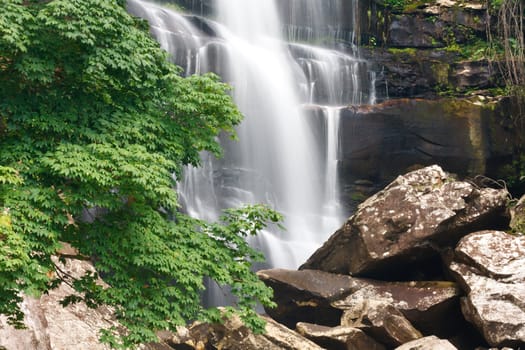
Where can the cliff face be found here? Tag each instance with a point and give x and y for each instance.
(427, 48)
(437, 97)
(467, 136)
(419, 48)
(436, 91)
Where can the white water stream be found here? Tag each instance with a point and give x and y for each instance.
(284, 156)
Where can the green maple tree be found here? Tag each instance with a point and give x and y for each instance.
(92, 115)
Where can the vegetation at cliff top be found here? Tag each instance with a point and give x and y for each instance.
(94, 118)
(510, 36)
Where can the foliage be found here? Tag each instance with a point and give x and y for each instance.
(93, 118)
(404, 5)
(395, 4)
(495, 4)
(172, 6)
(510, 36)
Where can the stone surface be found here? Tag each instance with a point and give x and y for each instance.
(53, 327)
(420, 51)
(318, 297)
(284, 338)
(437, 23)
(491, 267)
(233, 335)
(430, 306)
(406, 222)
(382, 141)
(381, 321)
(471, 74)
(306, 296)
(338, 338)
(402, 27)
(427, 343)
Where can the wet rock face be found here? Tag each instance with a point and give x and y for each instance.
(426, 30)
(491, 267)
(402, 29)
(382, 141)
(407, 222)
(436, 26)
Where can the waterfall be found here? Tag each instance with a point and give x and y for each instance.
(284, 60)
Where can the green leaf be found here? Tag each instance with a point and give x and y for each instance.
(94, 122)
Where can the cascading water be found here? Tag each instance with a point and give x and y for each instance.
(285, 156)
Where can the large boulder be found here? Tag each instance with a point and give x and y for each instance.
(408, 222)
(234, 335)
(380, 320)
(338, 338)
(306, 296)
(320, 297)
(490, 265)
(427, 343)
(51, 326)
(430, 306)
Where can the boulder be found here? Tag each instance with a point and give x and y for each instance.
(407, 222)
(471, 14)
(490, 265)
(180, 340)
(427, 343)
(338, 338)
(52, 326)
(234, 335)
(432, 307)
(320, 297)
(306, 296)
(381, 321)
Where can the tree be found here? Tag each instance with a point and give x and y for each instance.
(92, 115)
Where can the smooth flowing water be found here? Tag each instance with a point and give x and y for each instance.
(283, 60)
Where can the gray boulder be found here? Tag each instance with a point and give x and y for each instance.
(490, 265)
(427, 343)
(381, 321)
(338, 338)
(234, 335)
(51, 326)
(407, 222)
(430, 306)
